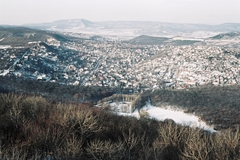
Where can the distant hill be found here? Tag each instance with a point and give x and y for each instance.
(229, 35)
(17, 36)
(65, 25)
(149, 40)
(133, 28)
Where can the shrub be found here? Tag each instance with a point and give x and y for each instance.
(34, 128)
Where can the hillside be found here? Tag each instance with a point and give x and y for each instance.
(134, 28)
(33, 128)
(20, 36)
(93, 68)
(67, 84)
(224, 36)
(150, 40)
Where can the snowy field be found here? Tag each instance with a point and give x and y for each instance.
(5, 46)
(162, 114)
(5, 72)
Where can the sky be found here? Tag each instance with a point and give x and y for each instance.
(18, 12)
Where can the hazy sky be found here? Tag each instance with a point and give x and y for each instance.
(184, 11)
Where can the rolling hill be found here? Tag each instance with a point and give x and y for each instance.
(20, 36)
(229, 35)
(134, 28)
(150, 40)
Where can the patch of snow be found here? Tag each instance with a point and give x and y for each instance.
(1, 39)
(5, 46)
(133, 114)
(39, 77)
(76, 83)
(161, 114)
(34, 42)
(187, 38)
(5, 72)
(178, 117)
(17, 74)
(19, 47)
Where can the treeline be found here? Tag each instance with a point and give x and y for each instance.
(33, 128)
(218, 106)
(214, 104)
(54, 91)
(210, 96)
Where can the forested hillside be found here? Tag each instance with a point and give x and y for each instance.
(33, 128)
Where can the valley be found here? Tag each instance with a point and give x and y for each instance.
(119, 87)
(142, 65)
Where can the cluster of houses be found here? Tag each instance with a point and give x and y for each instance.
(124, 65)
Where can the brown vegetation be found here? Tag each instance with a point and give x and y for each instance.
(218, 106)
(33, 128)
